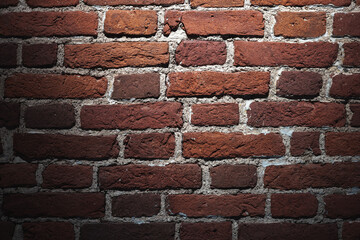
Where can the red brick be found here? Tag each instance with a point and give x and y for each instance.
(136, 205)
(293, 231)
(128, 231)
(137, 86)
(352, 54)
(198, 84)
(133, 2)
(131, 22)
(39, 55)
(217, 3)
(54, 86)
(345, 24)
(355, 120)
(216, 145)
(213, 231)
(200, 53)
(150, 177)
(311, 54)
(8, 53)
(48, 230)
(218, 114)
(233, 176)
(342, 206)
(305, 142)
(6, 3)
(351, 231)
(241, 205)
(117, 54)
(18, 175)
(9, 114)
(132, 116)
(67, 176)
(43, 146)
(150, 145)
(6, 228)
(66, 205)
(172, 21)
(297, 205)
(345, 86)
(299, 84)
(300, 24)
(300, 176)
(50, 116)
(51, 3)
(342, 143)
(46, 24)
(300, 2)
(277, 114)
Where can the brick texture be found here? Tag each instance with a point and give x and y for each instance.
(52, 3)
(220, 114)
(133, 2)
(355, 120)
(342, 206)
(343, 23)
(297, 205)
(6, 3)
(305, 143)
(48, 230)
(39, 55)
(233, 176)
(9, 114)
(215, 231)
(345, 86)
(8, 55)
(352, 54)
(216, 3)
(300, 2)
(136, 205)
(351, 231)
(341, 144)
(18, 175)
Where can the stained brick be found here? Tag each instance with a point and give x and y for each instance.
(305, 142)
(344, 24)
(233, 176)
(39, 55)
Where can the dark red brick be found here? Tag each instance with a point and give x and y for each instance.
(136, 205)
(51, 3)
(133, 2)
(217, 3)
(300, 2)
(9, 114)
(345, 24)
(233, 176)
(304, 143)
(342, 143)
(18, 175)
(6, 228)
(342, 206)
(218, 114)
(351, 231)
(48, 230)
(213, 231)
(8, 53)
(6, 3)
(297, 205)
(352, 54)
(345, 86)
(39, 55)
(355, 120)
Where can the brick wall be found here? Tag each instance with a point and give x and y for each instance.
(180, 119)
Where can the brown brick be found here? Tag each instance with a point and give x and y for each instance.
(218, 114)
(217, 3)
(345, 86)
(43, 146)
(39, 55)
(312, 175)
(216, 145)
(128, 231)
(132, 116)
(18, 175)
(67, 176)
(136, 205)
(342, 206)
(6, 228)
(305, 142)
(150, 145)
(200, 53)
(198, 84)
(9, 114)
(50, 116)
(299, 84)
(233, 176)
(352, 54)
(342, 143)
(66, 205)
(355, 120)
(277, 114)
(311, 54)
(351, 231)
(117, 54)
(51, 3)
(46, 24)
(345, 24)
(297, 205)
(8, 54)
(48, 230)
(6, 3)
(137, 86)
(133, 2)
(300, 24)
(241, 205)
(150, 177)
(54, 86)
(300, 2)
(208, 230)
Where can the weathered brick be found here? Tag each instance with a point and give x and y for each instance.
(150, 145)
(130, 22)
(277, 114)
(351, 231)
(352, 54)
(217, 3)
(299, 84)
(345, 86)
(297, 205)
(342, 206)
(241, 205)
(67, 176)
(6, 228)
(305, 142)
(18, 175)
(200, 53)
(198, 84)
(50, 116)
(312, 175)
(133, 116)
(300, 2)
(48, 230)
(300, 24)
(6, 3)
(233, 176)
(355, 120)
(213, 231)
(46, 24)
(311, 54)
(39, 55)
(117, 54)
(216, 145)
(66, 205)
(52, 3)
(136, 205)
(9, 114)
(345, 24)
(133, 2)
(43, 146)
(8, 53)
(54, 86)
(342, 143)
(137, 86)
(218, 114)
(128, 231)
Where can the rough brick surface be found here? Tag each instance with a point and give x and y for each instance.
(8, 55)
(6, 3)
(342, 144)
(351, 231)
(6, 229)
(214, 231)
(51, 3)
(216, 3)
(300, 2)
(352, 54)
(9, 114)
(344, 24)
(297, 205)
(18, 175)
(345, 86)
(39, 55)
(355, 120)
(136, 205)
(220, 114)
(305, 142)
(48, 230)
(233, 176)
(133, 2)
(342, 206)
